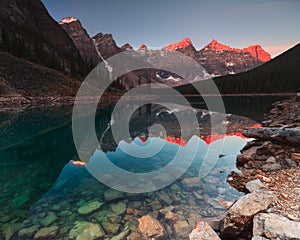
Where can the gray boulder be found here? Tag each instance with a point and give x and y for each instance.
(240, 215)
(273, 226)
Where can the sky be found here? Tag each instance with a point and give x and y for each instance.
(274, 24)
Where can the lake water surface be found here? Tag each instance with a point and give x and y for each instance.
(41, 188)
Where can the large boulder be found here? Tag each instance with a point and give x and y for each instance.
(273, 226)
(239, 216)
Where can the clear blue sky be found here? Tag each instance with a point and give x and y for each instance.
(275, 24)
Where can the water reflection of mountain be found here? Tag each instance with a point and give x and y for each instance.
(39, 143)
(151, 114)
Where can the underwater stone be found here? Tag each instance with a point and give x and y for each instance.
(28, 232)
(151, 227)
(193, 182)
(111, 227)
(112, 194)
(49, 219)
(89, 207)
(182, 229)
(10, 229)
(118, 208)
(121, 236)
(84, 230)
(46, 233)
(65, 213)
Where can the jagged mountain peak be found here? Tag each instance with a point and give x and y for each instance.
(126, 46)
(255, 50)
(68, 20)
(217, 46)
(258, 52)
(184, 43)
(106, 44)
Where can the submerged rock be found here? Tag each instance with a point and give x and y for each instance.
(193, 182)
(203, 232)
(49, 219)
(171, 216)
(118, 208)
(166, 210)
(112, 194)
(83, 230)
(11, 229)
(121, 235)
(274, 226)
(46, 233)
(182, 229)
(112, 228)
(27, 232)
(240, 215)
(151, 227)
(89, 207)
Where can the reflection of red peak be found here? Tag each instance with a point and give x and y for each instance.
(208, 139)
(184, 43)
(179, 141)
(255, 50)
(143, 46)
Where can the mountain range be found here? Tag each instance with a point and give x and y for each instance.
(217, 59)
(52, 58)
(280, 75)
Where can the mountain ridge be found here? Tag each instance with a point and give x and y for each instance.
(279, 75)
(217, 59)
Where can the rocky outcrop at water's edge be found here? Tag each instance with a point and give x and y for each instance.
(270, 174)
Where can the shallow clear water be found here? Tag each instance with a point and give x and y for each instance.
(40, 187)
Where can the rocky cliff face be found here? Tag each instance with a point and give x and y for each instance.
(28, 31)
(185, 46)
(81, 39)
(106, 45)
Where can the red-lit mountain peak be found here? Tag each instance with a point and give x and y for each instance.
(215, 45)
(184, 43)
(258, 52)
(68, 20)
(255, 50)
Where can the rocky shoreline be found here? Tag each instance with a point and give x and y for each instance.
(270, 175)
(17, 102)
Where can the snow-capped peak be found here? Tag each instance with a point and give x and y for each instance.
(68, 20)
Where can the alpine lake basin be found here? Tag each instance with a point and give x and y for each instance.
(41, 188)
